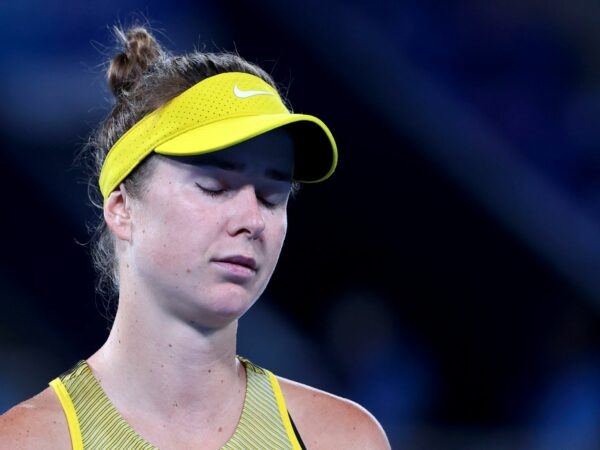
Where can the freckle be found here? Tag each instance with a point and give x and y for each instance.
(170, 345)
(220, 429)
(221, 381)
(188, 270)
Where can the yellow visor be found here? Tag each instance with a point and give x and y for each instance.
(218, 112)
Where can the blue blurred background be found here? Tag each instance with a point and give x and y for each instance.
(445, 277)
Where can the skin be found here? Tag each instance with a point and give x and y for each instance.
(195, 252)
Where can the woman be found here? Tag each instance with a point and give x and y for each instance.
(195, 166)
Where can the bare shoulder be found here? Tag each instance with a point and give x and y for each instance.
(327, 421)
(37, 423)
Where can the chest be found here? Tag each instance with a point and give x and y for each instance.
(94, 422)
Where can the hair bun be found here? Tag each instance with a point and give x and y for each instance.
(141, 50)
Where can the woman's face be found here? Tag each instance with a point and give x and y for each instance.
(207, 231)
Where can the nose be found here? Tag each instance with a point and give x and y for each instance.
(247, 215)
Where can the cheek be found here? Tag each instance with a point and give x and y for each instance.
(168, 236)
(279, 233)
(283, 229)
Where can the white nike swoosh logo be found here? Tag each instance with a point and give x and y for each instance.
(245, 94)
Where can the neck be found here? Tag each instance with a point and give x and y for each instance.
(148, 361)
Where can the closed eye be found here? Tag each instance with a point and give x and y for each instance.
(269, 198)
(273, 200)
(211, 191)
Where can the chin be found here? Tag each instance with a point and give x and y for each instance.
(232, 305)
(215, 318)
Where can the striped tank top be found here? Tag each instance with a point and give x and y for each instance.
(95, 424)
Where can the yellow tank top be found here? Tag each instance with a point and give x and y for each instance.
(95, 424)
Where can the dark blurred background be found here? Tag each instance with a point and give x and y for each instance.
(445, 277)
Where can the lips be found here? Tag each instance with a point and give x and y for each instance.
(244, 261)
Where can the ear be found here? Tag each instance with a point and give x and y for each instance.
(117, 213)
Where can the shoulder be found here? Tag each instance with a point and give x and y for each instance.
(35, 424)
(328, 421)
